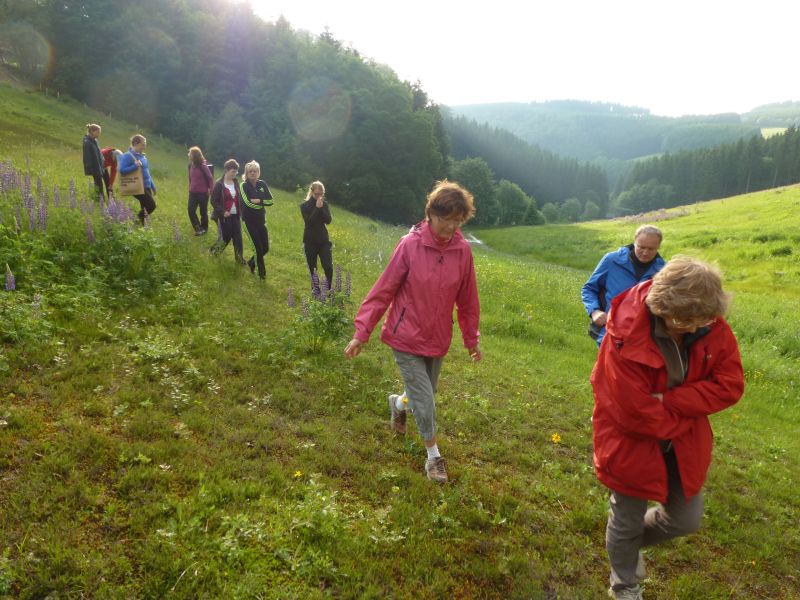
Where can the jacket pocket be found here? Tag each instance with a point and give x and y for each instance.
(399, 320)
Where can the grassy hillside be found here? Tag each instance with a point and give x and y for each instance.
(170, 428)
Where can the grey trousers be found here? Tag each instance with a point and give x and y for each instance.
(632, 526)
(420, 376)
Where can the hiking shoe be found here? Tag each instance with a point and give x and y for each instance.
(397, 420)
(252, 264)
(628, 593)
(435, 470)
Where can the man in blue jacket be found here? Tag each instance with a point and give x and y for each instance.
(616, 272)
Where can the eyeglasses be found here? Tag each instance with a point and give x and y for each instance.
(692, 324)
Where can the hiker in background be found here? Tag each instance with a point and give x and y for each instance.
(616, 272)
(133, 159)
(201, 180)
(226, 204)
(110, 160)
(430, 271)
(316, 243)
(255, 196)
(670, 360)
(92, 158)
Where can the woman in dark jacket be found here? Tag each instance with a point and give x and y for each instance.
(668, 361)
(92, 158)
(227, 206)
(316, 214)
(255, 196)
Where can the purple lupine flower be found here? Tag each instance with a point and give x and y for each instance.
(111, 209)
(26, 185)
(56, 196)
(90, 231)
(314, 284)
(11, 282)
(304, 307)
(37, 302)
(338, 278)
(290, 300)
(347, 285)
(42, 216)
(323, 291)
(32, 218)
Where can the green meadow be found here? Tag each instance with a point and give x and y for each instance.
(171, 428)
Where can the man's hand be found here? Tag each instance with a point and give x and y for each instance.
(599, 318)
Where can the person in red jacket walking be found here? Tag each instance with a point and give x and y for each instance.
(668, 360)
(430, 272)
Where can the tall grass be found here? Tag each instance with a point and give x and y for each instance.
(176, 439)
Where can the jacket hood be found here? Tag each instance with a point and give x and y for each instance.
(628, 325)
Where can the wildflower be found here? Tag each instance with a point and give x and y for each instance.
(290, 300)
(90, 231)
(347, 285)
(323, 290)
(338, 278)
(42, 220)
(304, 307)
(314, 284)
(298, 474)
(37, 301)
(11, 282)
(555, 438)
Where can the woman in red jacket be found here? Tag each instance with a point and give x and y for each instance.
(668, 360)
(430, 272)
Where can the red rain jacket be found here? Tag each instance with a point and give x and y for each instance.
(628, 422)
(422, 282)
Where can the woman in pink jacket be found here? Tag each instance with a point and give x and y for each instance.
(430, 272)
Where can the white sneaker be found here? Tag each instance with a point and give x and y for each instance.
(628, 593)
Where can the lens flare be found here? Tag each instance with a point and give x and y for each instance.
(26, 50)
(320, 109)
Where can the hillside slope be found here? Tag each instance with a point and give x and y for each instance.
(169, 427)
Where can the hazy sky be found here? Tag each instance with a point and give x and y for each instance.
(674, 58)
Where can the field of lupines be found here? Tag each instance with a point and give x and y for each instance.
(172, 427)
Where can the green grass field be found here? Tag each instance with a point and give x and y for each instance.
(170, 429)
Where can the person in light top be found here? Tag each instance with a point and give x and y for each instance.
(430, 272)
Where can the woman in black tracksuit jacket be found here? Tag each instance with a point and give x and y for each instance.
(255, 196)
(316, 243)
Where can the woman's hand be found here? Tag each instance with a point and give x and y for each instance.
(138, 162)
(319, 202)
(475, 353)
(226, 214)
(353, 348)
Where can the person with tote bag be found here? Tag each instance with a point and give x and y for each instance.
(134, 159)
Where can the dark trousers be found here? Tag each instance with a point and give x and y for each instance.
(198, 200)
(231, 230)
(147, 203)
(257, 230)
(325, 254)
(98, 185)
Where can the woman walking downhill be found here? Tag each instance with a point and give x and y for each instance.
(316, 243)
(92, 158)
(200, 183)
(225, 200)
(255, 196)
(430, 272)
(133, 159)
(668, 361)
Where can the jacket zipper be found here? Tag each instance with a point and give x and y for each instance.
(399, 320)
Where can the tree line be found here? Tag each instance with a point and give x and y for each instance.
(211, 73)
(727, 170)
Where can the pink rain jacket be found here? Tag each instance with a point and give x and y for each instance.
(422, 282)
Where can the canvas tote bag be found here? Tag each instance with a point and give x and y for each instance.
(131, 184)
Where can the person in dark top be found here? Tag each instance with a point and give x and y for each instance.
(226, 201)
(92, 158)
(255, 196)
(316, 243)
